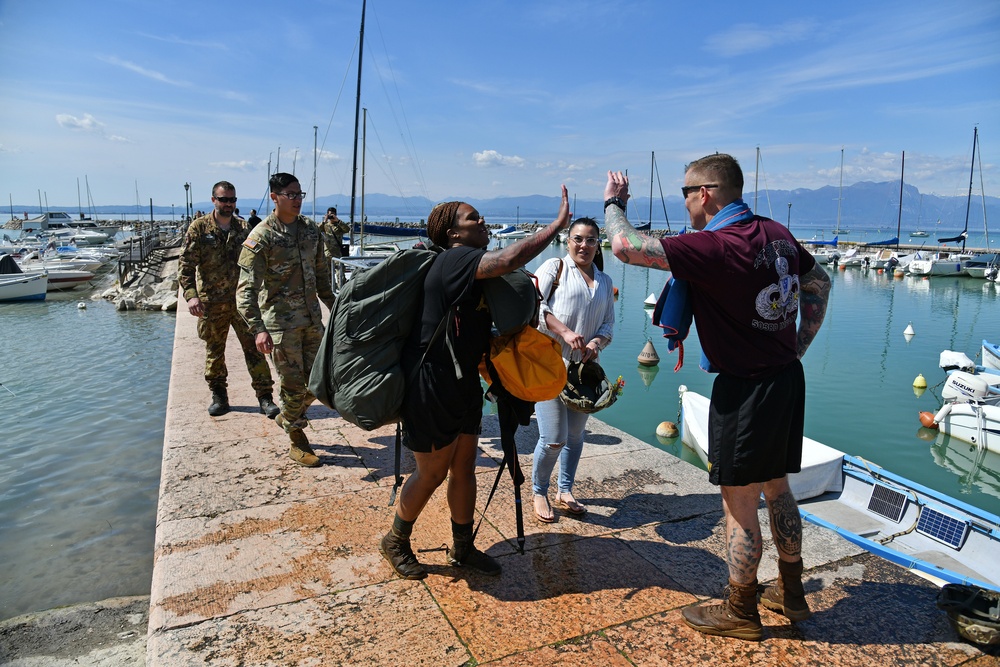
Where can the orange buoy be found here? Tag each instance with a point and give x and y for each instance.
(927, 420)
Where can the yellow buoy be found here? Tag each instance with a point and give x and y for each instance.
(648, 356)
(667, 430)
(919, 381)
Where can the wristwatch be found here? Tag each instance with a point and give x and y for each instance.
(616, 201)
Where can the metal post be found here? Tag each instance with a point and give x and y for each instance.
(789, 223)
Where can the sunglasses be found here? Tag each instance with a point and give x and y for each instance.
(688, 189)
(293, 195)
(226, 200)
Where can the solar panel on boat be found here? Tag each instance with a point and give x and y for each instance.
(887, 502)
(942, 527)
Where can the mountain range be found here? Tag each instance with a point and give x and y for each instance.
(864, 205)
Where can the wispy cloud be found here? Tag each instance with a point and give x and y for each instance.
(746, 38)
(174, 39)
(238, 165)
(142, 71)
(88, 124)
(491, 158)
(8, 149)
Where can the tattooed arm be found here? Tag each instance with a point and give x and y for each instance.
(628, 244)
(814, 293)
(504, 260)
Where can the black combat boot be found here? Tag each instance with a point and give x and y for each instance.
(268, 407)
(465, 554)
(395, 547)
(220, 402)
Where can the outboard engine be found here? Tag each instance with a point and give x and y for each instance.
(950, 360)
(964, 388)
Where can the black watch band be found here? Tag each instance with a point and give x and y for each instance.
(616, 201)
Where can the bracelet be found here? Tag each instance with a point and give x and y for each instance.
(616, 201)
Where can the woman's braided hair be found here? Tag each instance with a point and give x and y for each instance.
(441, 219)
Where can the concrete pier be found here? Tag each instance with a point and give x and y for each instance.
(259, 561)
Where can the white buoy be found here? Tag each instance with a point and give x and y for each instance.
(648, 356)
(908, 331)
(81, 306)
(650, 300)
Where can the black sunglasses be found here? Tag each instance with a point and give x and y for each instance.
(688, 189)
(226, 200)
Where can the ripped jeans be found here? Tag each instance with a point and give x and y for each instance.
(560, 437)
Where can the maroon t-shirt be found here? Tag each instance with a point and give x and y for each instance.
(744, 289)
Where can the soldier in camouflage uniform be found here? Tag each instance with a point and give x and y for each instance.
(283, 269)
(333, 229)
(208, 273)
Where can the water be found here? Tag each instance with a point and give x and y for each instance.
(80, 449)
(82, 440)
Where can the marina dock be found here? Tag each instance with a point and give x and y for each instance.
(259, 561)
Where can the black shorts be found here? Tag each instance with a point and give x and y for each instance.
(438, 408)
(755, 427)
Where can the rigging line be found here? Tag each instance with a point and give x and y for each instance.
(390, 175)
(408, 137)
(767, 194)
(662, 200)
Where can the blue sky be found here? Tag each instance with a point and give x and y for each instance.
(490, 98)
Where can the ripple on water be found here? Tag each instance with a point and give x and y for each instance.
(80, 455)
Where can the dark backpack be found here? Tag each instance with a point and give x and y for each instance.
(357, 370)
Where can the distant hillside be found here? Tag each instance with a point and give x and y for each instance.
(865, 205)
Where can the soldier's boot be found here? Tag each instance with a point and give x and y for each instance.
(786, 595)
(300, 451)
(465, 554)
(737, 616)
(395, 548)
(220, 402)
(268, 407)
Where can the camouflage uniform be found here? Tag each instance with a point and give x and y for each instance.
(207, 269)
(333, 233)
(283, 268)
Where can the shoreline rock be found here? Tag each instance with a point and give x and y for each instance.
(108, 633)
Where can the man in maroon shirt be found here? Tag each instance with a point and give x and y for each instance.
(748, 282)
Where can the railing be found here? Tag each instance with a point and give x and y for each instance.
(138, 250)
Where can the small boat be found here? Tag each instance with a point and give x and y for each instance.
(991, 355)
(944, 263)
(971, 410)
(513, 234)
(983, 266)
(21, 287)
(937, 536)
(919, 234)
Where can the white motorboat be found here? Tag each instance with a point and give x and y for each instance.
(944, 263)
(991, 355)
(942, 538)
(971, 410)
(21, 287)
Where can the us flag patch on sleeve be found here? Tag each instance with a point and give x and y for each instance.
(250, 244)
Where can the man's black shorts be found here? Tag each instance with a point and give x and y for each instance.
(755, 427)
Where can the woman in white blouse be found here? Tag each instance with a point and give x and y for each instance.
(578, 310)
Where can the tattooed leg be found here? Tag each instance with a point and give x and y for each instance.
(786, 522)
(743, 536)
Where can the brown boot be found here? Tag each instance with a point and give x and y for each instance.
(786, 595)
(300, 451)
(735, 617)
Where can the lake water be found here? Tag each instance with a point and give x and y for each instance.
(82, 436)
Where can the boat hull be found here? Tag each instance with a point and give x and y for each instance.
(974, 423)
(23, 287)
(991, 355)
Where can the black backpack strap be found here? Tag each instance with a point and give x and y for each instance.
(399, 424)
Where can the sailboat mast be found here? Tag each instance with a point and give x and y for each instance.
(756, 173)
(652, 161)
(364, 143)
(972, 173)
(899, 218)
(79, 206)
(357, 116)
(840, 195)
(315, 129)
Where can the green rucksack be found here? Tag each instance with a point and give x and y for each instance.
(357, 370)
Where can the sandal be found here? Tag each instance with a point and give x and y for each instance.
(571, 505)
(541, 517)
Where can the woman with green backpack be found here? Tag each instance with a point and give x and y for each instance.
(442, 411)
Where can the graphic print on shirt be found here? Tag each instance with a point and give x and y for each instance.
(779, 300)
